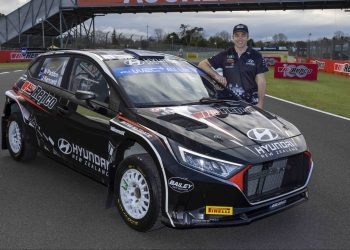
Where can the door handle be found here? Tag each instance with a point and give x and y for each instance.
(63, 110)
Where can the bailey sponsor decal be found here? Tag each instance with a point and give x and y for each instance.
(290, 70)
(39, 95)
(219, 210)
(180, 185)
(84, 156)
(262, 134)
(342, 67)
(276, 148)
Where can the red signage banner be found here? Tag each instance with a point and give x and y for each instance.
(272, 60)
(330, 66)
(17, 56)
(297, 71)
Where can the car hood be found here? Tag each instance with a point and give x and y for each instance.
(218, 126)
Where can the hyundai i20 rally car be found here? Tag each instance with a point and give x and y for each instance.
(171, 144)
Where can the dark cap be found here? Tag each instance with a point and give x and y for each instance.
(240, 28)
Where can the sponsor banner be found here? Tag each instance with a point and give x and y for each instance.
(297, 71)
(18, 55)
(272, 60)
(342, 68)
(329, 66)
(219, 210)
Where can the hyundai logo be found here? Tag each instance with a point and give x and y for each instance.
(262, 134)
(64, 146)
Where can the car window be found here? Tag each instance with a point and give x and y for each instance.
(52, 70)
(34, 69)
(86, 76)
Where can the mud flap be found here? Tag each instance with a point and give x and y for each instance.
(112, 152)
(110, 201)
(3, 132)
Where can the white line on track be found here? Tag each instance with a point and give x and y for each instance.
(313, 109)
(1, 73)
(19, 70)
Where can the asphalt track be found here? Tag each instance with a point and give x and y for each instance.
(47, 205)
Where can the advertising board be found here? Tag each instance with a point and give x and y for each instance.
(297, 71)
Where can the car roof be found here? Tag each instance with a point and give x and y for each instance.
(110, 54)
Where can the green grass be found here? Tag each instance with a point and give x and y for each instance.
(329, 93)
(19, 65)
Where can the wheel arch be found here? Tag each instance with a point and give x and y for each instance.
(137, 146)
(12, 105)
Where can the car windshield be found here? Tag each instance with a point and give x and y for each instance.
(166, 82)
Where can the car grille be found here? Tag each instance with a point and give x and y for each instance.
(277, 177)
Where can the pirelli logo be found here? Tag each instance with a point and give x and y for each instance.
(219, 210)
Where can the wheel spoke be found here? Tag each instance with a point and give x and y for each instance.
(14, 137)
(135, 198)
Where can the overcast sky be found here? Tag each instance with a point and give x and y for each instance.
(263, 25)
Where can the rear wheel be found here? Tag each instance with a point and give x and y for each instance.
(18, 147)
(137, 191)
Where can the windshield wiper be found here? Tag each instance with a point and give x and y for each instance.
(213, 100)
(208, 100)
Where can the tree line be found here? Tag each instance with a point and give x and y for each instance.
(188, 35)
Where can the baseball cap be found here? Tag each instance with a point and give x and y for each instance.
(240, 28)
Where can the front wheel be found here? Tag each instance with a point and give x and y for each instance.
(137, 191)
(18, 147)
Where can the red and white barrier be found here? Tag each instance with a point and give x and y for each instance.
(330, 66)
(7, 56)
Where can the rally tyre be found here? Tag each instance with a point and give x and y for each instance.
(19, 148)
(138, 192)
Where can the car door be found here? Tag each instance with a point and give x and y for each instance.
(42, 90)
(85, 141)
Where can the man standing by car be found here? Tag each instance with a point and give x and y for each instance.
(243, 68)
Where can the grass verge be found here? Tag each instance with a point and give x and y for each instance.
(329, 93)
(19, 65)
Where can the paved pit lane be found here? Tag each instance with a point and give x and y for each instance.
(47, 205)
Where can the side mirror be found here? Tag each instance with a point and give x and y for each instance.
(85, 95)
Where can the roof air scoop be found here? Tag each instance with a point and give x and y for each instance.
(143, 54)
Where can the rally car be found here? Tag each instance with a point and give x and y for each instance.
(173, 146)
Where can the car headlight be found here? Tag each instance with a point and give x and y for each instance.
(209, 165)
